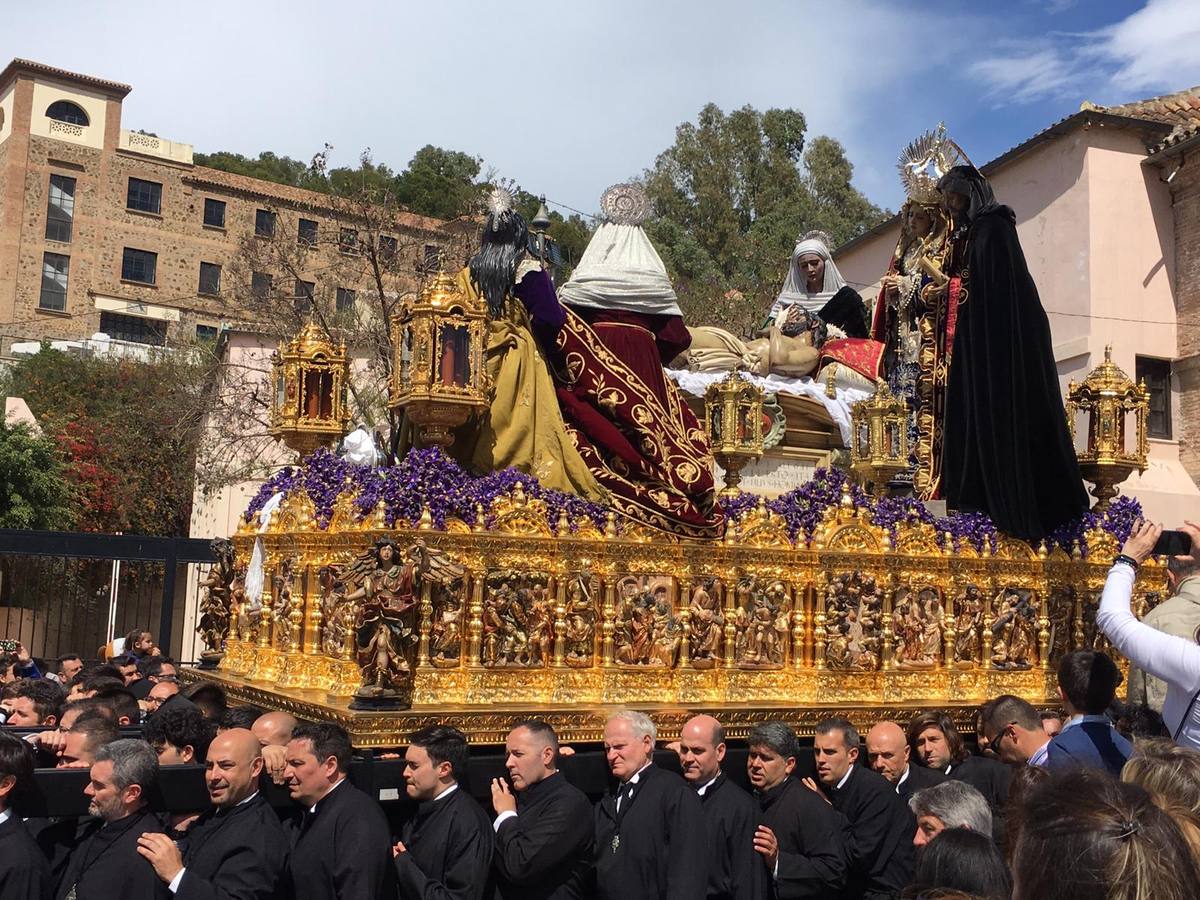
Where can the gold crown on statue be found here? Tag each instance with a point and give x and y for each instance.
(925, 160)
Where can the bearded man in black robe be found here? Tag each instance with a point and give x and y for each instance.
(1007, 449)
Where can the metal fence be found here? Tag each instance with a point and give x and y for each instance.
(70, 592)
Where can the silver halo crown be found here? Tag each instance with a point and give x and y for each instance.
(817, 234)
(924, 161)
(499, 201)
(625, 204)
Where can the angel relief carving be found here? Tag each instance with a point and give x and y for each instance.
(853, 616)
(763, 633)
(647, 630)
(917, 625)
(518, 619)
(375, 603)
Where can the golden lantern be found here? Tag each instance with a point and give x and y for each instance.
(1109, 396)
(309, 373)
(733, 419)
(439, 379)
(879, 438)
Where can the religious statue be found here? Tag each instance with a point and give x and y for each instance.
(1014, 638)
(281, 607)
(648, 631)
(917, 625)
(707, 624)
(387, 587)
(968, 622)
(1003, 390)
(1060, 608)
(915, 314)
(333, 603)
(853, 613)
(581, 620)
(445, 640)
(762, 624)
(580, 398)
(518, 622)
(216, 600)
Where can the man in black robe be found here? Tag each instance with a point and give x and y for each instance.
(1007, 449)
(889, 754)
(937, 744)
(107, 863)
(445, 849)
(879, 843)
(235, 851)
(24, 873)
(650, 835)
(340, 845)
(735, 871)
(801, 839)
(544, 829)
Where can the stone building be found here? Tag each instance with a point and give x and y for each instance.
(108, 230)
(1108, 211)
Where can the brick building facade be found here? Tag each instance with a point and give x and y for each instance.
(103, 229)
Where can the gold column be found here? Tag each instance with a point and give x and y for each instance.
(819, 635)
(889, 635)
(799, 624)
(426, 623)
(949, 634)
(1043, 632)
(475, 626)
(609, 626)
(560, 618)
(730, 630)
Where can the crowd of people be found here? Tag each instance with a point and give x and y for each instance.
(1082, 801)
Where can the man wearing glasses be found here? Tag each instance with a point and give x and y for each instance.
(1014, 728)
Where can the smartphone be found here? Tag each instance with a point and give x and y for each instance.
(1173, 543)
(9, 645)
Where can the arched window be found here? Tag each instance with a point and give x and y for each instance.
(66, 111)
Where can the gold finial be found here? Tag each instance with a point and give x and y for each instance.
(563, 527)
(610, 526)
(479, 517)
(426, 520)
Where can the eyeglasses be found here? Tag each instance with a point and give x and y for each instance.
(995, 741)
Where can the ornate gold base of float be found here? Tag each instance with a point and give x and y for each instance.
(481, 628)
(489, 723)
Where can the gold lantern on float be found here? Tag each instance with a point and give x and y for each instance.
(309, 405)
(879, 438)
(439, 380)
(1109, 396)
(733, 420)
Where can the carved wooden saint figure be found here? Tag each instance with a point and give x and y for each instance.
(648, 632)
(581, 620)
(216, 600)
(1014, 632)
(762, 623)
(333, 603)
(707, 623)
(518, 620)
(968, 622)
(853, 612)
(281, 607)
(917, 625)
(445, 640)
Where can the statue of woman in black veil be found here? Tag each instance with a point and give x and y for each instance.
(1007, 450)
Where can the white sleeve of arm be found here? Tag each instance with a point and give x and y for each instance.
(1173, 659)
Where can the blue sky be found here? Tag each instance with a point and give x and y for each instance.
(568, 98)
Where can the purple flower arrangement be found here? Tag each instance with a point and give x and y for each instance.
(428, 479)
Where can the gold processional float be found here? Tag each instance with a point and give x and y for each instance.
(387, 629)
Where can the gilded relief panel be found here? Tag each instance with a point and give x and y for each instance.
(518, 619)
(648, 632)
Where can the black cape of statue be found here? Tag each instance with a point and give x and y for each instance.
(107, 864)
(449, 844)
(846, 310)
(343, 851)
(879, 847)
(735, 870)
(812, 846)
(234, 854)
(654, 849)
(545, 851)
(1007, 450)
(24, 872)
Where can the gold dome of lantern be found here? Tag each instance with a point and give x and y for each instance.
(1109, 396)
(309, 373)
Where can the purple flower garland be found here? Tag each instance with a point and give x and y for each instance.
(430, 479)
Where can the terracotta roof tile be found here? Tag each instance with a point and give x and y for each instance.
(1179, 108)
(28, 65)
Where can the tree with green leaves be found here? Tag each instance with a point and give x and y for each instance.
(34, 491)
(732, 195)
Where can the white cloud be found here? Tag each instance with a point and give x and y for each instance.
(1151, 50)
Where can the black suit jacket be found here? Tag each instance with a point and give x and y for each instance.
(990, 778)
(653, 849)
(449, 850)
(919, 778)
(236, 854)
(24, 872)
(107, 864)
(879, 845)
(545, 851)
(735, 869)
(812, 842)
(343, 851)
